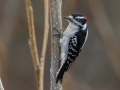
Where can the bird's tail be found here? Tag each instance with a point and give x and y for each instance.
(61, 72)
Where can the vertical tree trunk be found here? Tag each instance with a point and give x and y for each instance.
(56, 22)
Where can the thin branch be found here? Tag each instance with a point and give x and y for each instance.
(45, 40)
(1, 85)
(56, 22)
(32, 40)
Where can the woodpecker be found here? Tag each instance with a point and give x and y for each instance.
(72, 42)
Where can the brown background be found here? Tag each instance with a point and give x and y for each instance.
(97, 67)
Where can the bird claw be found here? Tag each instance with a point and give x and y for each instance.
(55, 34)
(59, 32)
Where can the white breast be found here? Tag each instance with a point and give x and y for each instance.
(64, 42)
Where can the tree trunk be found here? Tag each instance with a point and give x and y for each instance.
(56, 22)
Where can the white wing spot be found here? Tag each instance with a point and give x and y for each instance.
(74, 40)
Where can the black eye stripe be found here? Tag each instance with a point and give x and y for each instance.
(77, 19)
(82, 21)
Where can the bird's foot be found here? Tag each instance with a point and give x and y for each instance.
(59, 32)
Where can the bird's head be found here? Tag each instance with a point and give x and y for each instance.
(77, 20)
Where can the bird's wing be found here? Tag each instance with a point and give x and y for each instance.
(75, 45)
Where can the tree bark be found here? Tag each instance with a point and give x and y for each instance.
(56, 22)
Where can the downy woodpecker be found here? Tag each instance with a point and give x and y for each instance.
(73, 40)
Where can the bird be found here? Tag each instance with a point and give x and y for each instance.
(72, 42)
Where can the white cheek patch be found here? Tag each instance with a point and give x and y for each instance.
(84, 26)
(80, 17)
(71, 17)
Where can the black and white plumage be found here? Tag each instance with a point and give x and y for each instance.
(73, 40)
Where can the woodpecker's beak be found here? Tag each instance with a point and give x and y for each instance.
(66, 17)
(69, 18)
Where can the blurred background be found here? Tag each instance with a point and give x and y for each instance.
(97, 67)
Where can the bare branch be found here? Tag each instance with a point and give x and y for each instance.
(1, 85)
(32, 40)
(45, 40)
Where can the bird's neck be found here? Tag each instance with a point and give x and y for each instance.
(70, 30)
(84, 27)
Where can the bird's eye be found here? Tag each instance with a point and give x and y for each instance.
(77, 19)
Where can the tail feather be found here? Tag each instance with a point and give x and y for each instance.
(61, 72)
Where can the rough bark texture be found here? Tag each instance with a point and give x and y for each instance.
(56, 22)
